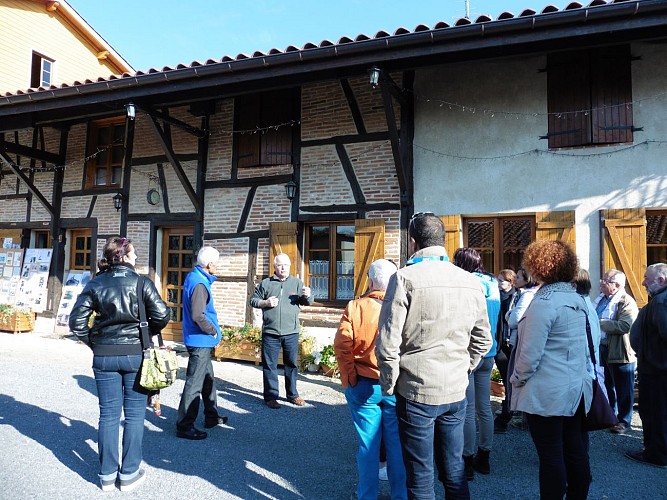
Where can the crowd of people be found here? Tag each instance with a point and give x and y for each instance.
(415, 355)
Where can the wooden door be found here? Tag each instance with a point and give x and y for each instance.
(178, 260)
(624, 236)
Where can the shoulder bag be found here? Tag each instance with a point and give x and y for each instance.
(601, 415)
(159, 367)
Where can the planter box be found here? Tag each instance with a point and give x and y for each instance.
(250, 351)
(18, 322)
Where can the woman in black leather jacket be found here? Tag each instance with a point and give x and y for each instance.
(117, 354)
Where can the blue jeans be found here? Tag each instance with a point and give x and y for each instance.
(375, 418)
(118, 389)
(199, 382)
(271, 345)
(623, 384)
(562, 447)
(428, 432)
(478, 399)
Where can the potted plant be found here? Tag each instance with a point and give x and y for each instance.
(13, 319)
(497, 387)
(328, 361)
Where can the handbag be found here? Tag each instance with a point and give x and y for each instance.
(159, 367)
(601, 415)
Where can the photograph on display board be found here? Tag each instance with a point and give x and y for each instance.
(10, 272)
(74, 284)
(32, 291)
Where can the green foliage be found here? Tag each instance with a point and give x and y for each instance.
(7, 312)
(328, 356)
(495, 375)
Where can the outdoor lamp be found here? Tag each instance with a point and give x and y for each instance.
(118, 201)
(374, 76)
(131, 111)
(290, 189)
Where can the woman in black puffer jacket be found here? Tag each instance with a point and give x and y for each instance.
(117, 354)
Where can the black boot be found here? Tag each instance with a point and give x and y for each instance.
(481, 462)
(468, 462)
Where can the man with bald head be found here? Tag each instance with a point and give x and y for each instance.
(280, 298)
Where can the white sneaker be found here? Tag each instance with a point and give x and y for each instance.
(382, 473)
(134, 483)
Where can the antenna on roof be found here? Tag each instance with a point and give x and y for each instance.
(467, 9)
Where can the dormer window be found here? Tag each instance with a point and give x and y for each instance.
(42, 71)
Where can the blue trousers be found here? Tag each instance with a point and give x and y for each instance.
(478, 409)
(271, 345)
(199, 383)
(118, 391)
(375, 418)
(431, 432)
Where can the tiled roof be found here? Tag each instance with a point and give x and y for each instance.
(344, 42)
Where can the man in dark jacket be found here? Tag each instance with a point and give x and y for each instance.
(201, 332)
(280, 297)
(648, 338)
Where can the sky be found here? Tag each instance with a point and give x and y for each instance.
(158, 33)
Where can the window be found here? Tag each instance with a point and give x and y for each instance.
(501, 241)
(42, 238)
(330, 260)
(656, 237)
(105, 145)
(80, 251)
(42, 71)
(268, 146)
(590, 97)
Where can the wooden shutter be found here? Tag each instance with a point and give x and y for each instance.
(557, 225)
(452, 233)
(568, 93)
(611, 95)
(283, 240)
(247, 117)
(368, 247)
(625, 247)
(276, 147)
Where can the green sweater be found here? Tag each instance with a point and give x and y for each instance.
(284, 318)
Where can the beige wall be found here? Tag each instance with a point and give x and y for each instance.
(27, 27)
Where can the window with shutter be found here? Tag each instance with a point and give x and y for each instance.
(265, 122)
(589, 97)
(656, 236)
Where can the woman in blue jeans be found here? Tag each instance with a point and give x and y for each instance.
(114, 338)
(478, 393)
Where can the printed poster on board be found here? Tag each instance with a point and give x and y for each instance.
(34, 278)
(10, 274)
(74, 284)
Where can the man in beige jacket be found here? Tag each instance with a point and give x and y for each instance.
(433, 330)
(617, 311)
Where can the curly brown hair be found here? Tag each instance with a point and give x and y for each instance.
(551, 261)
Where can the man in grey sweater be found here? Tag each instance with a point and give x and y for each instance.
(433, 331)
(280, 297)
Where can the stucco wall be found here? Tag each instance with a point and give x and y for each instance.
(474, 158)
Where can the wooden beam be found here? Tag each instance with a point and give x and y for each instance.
(250, 277)
(153, 113)
(262, 233)
(349, 173)
(171, 156)
(163, 188)
(202, 167)
(127, 174)
(353, 105)
(347, 139)
(246, 209)
(352, 207)
(387, 81)
(393, 137)
(28, 152)
(249, 182)
(31, 187)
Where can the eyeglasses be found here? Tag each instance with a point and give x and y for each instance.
(606, 282)
(421, 214)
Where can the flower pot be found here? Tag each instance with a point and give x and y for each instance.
(497, 389)
(329, 371)
(312, 368)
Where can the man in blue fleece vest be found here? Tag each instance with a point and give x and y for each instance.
(201, 332)
(280, 297)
